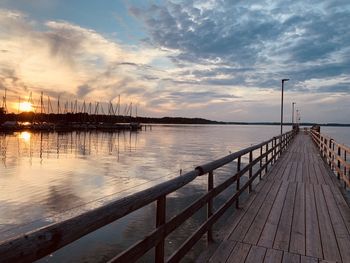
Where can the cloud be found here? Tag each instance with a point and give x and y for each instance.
(272, 39)
(196, 58)
(58, 57)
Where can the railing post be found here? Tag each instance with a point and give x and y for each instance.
(333, 152)
(339, 153)
(266, 157)
(285, 141)
(238, 179)
(261, 152)
(330, 153)
(250, 170)
(274, 151)
(210, 205)
(272, 162)
(160, 220)
(280, 147)
(345, 166)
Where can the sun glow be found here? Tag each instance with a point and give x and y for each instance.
(25, 106)
(25, 136)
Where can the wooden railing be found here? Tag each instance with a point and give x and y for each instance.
(335, 154)
(39, 243)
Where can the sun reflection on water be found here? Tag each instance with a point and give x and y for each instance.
(25, 136)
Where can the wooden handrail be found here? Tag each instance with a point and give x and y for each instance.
(41, 242)
(335, 154)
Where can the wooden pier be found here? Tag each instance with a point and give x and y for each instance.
(296, 214)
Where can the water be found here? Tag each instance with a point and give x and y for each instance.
(339, 134)
(47, 177)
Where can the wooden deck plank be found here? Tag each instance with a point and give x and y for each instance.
(273, 256)
(312, 233)
(298, 215)
(290, 258)
(325, 173)
(341, 232)
(256, 254)
(293, 172)
(297, 241)
(318, 172)
(253, 234)
(343, 206)
(239, 253)
(305, 259)
(223, 251)
(268, 234)
(284, 227)
(287, 172)
(312, 173)
(299, 172)
(239, 213)
(329, 242)
(278, 169)
(242, 228)
(306, 176)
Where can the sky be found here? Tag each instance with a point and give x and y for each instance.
(220, 60)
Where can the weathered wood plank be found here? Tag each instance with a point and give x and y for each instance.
(312, 173)
(290, 258)
(297, 240)
(278, 169)
(239, 253)
(287, 172)
(256, 254)
(342, 204)
(223, 251)
(341, 232)
(312, 233)
(329, 242)
(318, 173)
(299, 172)
(284, 227)
(239, 213)
(305, 259)
(273, 256)
(268, 234)
(240, 231)
(293, 171)
(325, 171)
(306, 219)
(253, 234)
(306, 175)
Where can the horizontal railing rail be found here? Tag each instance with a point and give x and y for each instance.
(39, 243)
(335, 154)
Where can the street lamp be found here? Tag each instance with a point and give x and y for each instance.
(283, 80)
(293, 103)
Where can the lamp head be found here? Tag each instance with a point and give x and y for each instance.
(283, 80)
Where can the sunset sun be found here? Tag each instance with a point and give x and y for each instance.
(25, 106)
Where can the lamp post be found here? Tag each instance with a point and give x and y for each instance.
(283, 80)
(293, 103)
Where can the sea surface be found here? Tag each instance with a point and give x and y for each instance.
(48, 177)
